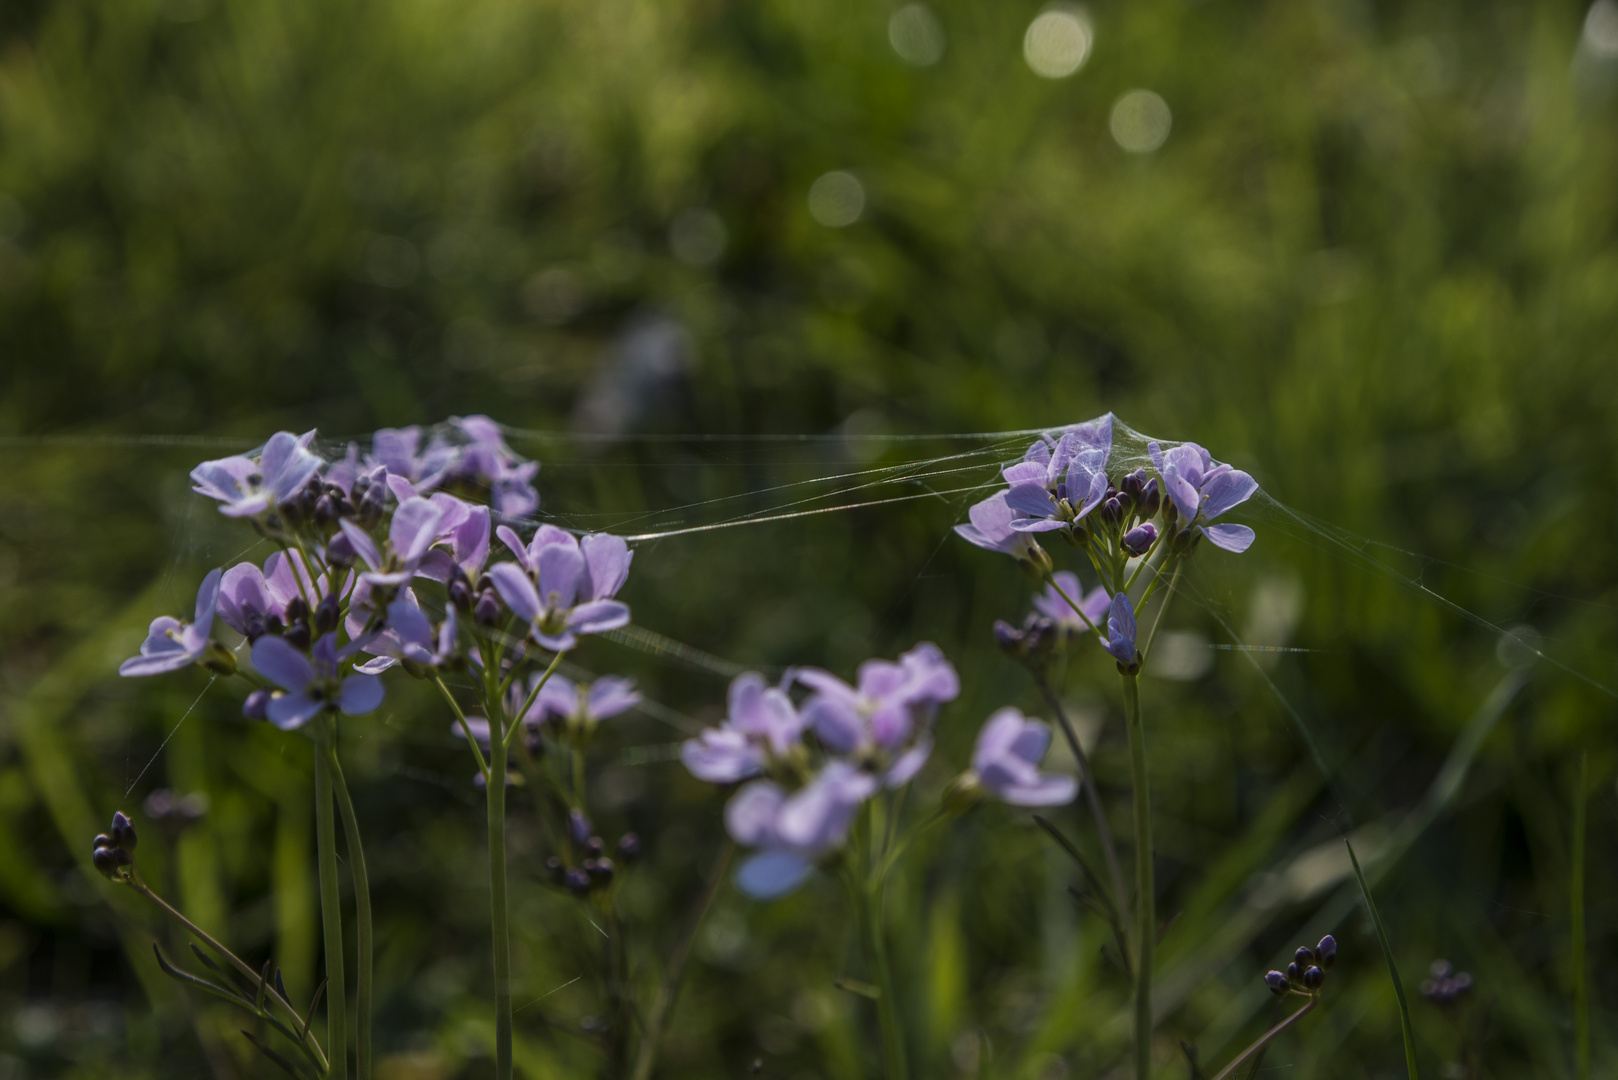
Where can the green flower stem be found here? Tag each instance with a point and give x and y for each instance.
(498, 915)
(868, 897)
(331, 914)
(1074, 604)
(1581, 963)
(466, 729)
(362, 915)
(1263, 1040)
(1145, 897)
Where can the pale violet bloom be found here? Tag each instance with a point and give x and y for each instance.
(760, 725)
(989, 527)
(885, 720)
(313, 683)
(412, 531)
(248, 596)
(1055, 607)
(409, 635)
(793, 830)
(171, 644)
(249, 487)
(487, 460)
(465, 529)
(571, 584)
(401, 451)
(575, 707)
(1006, 762)
(1202, 489)
(1060, 481)
(1121, 630)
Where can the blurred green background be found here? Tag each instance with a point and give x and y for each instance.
(1364, 250)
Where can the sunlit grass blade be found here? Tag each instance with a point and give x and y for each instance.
(1393, 969)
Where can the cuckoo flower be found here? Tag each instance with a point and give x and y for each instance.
(793, 830)
(1057, 484)
(466, 530)
(1054, 606)
(409, 637)
(571, 584)
(487, 460)
(989, 527)
(887, 714)
(401, 451)
(1202, 489)
(1121, 631)
(248, 487)
(412, 531)
(171, 644)
(760, 726)
(1006, 762)
(248, 596)
(314, 683)
(576, 708)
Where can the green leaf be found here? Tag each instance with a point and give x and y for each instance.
(1393, 970)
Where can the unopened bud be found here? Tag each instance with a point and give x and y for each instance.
(103, 840)
(1276, 981)
(1009, 638)
(1112, 511)
(487, 610)
(297, 635)
(1313, 977)
(255, 628)
(577, 881)
(460, 594)
(1132, 484)
(1327, 952)
(1294, 973)
(629, 847)
(1304, 956)
(326, 613)
(257, 705)
(595, 846)
(600, 870)
(1150, 499)
(578, 826)
(297, 610)
(340, 552)
(1040, 560)
(107, 860)
(1139, 540)
(325, 510)
(123, 832)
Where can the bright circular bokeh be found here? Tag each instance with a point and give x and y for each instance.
(1058, 41)
(916, 35)
(1140, 121)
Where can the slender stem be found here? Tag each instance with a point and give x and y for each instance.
(331, 913)
(533, 695)
(1581, 963)
(498, 916)
(1264, 1039)
(1092, 797)
(362, 915)
(1162, 609)
(868, 897)
(311, 1046)
(1074, 604)
(663, 1004)
(466, 729)
(1152, 553)
(1145, 898)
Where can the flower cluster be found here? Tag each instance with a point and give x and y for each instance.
(378, 566)
(1307, 972)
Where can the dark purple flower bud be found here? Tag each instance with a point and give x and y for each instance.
(325, 510)
(485, 583)
(577, 881)
(1276, 981)
(460, 594)
(326, 614)
(1112, 511)
(555, 870)
(1008, 637)
(487, 610)
(372, 506)
(1304, 956)
(123, 832)
(1294, 973)
(1112, 492)
(297, 635)
(578, 826)
(1150, 499)
(1327, 952)
(274, 625)
(257, 705)
(103, 840)
(107, 860)
(595, 846)
(340, 551)
(1139, 540)
(1131, 484)
(297, 610)
(1440, 969)
(255, 628)
(1313, 977)
(629, 847)
(600, 870)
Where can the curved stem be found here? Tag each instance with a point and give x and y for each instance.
(331, 913)
(1145, 897)
(868, 896)
(466, 729)
(1074, 604)
(1264, 1039)
(362, 916)
(1092, 797)
(1162, 609)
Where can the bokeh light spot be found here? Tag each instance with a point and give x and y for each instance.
(836, 199)
(916, 35)
(1140, 121)
(1601, 29)
(1058, 42)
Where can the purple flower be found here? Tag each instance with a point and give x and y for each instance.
(171, 644)
(408, 635)
(312, 683)
(576, 707)
(1006, 761)
(1202, 489)
(1059, 483)
(1054, 606)
(410, 534)
(892, 706)
(248, 596)
(401, 451)
(761, 725)
(247, 486)
(486, 459)
(793, 830)
(989, 527)
(571, 583)
(465, 529)
(1121, 630)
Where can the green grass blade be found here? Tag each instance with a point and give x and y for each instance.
(1581, 963)
(1393, 970)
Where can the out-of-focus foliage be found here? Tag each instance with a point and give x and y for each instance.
(1374, 263)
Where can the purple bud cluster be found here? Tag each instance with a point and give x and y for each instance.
(1306, 974)
(113, 851)
(1446, 984)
